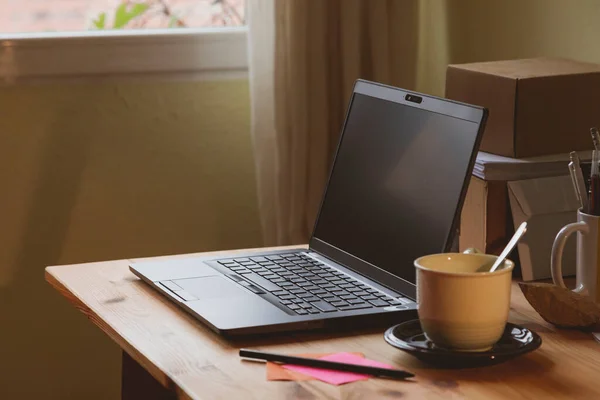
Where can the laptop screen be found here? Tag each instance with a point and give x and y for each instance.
(396, 183)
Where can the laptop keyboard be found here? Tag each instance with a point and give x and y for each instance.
(307, 286)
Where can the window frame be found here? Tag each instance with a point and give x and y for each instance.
(208, 51)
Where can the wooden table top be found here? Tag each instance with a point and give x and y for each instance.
(184, 355)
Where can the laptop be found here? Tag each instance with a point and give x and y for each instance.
(395, 192)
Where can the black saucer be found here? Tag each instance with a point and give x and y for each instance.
(409, 337)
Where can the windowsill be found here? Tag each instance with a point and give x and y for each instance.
(220, 52)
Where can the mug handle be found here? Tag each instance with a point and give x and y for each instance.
(559, 246)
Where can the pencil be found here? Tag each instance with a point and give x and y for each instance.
(595, 138)
(575, 185)
(579, 183)
(594, 202)
(330, 365)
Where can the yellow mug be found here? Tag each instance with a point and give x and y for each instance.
(588, 255)
(460, 306)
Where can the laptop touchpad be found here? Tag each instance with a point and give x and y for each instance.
(211, 287)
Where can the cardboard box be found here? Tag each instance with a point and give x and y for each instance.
(547, 204)
(537, 106)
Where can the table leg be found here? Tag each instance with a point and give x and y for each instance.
(137, 383)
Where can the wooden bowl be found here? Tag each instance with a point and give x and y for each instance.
(562, 307)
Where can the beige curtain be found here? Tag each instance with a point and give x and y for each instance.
(304, 58)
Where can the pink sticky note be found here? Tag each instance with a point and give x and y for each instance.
(338, 377)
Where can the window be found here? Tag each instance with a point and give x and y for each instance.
(73, 15)
(48, 38)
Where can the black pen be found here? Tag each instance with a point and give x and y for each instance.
(331, 365)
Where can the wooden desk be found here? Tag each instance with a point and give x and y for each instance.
(187, 360)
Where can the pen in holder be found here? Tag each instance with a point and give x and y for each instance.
(578, 171)
(579, 308)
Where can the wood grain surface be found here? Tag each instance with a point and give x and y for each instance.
(193, 362)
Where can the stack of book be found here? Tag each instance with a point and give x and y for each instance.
(491, 167)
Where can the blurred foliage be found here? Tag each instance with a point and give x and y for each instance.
(135, 14)
(123, 15)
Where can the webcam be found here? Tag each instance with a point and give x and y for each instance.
(413, 98)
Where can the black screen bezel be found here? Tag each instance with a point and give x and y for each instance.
(438, 105)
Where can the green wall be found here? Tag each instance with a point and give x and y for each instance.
(460, 31)
(101, 171)
(489, 30)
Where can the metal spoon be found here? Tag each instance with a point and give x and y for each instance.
(510, 246)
